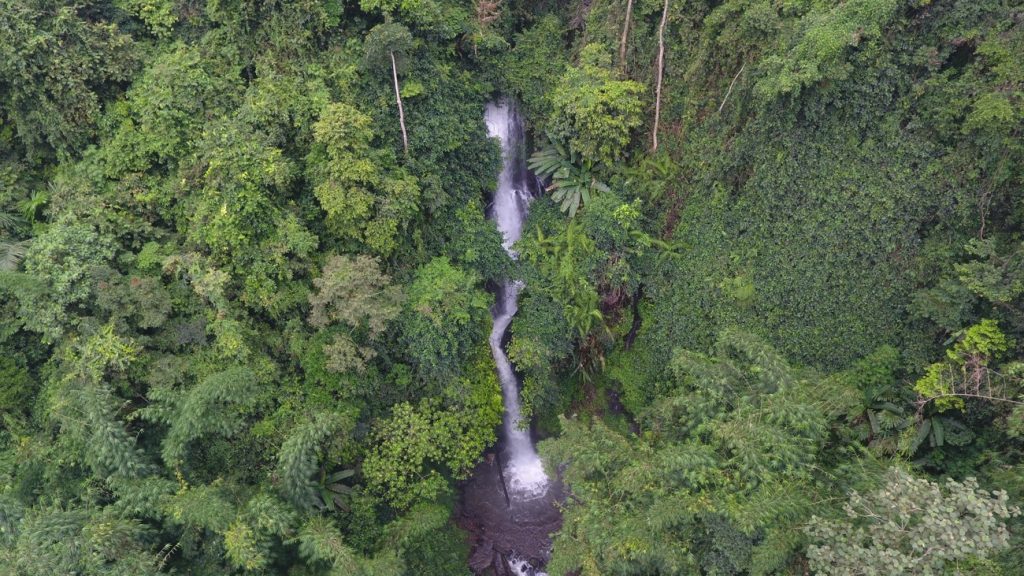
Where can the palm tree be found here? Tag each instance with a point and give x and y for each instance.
(573, 180)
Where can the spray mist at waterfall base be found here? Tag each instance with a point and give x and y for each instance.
(509, 505)
(507, 538)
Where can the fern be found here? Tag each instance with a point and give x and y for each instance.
(421, 521)
(84, 404)
(206, 507)
(31, 206)
(57, 540)
(215, 406)
(320, 541)
(298, 461)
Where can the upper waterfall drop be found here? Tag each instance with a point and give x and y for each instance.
(511, 198)
(524, 471)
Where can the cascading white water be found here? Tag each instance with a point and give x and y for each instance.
(524, 471)
(509, 506)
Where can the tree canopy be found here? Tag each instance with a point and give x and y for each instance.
(771, 317)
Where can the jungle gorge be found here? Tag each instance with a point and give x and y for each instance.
(511, 287)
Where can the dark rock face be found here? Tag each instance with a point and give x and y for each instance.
(508, 537)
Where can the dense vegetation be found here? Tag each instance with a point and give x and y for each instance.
(774, 314)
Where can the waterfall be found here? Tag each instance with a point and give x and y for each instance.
(509, 505)
(523, 471)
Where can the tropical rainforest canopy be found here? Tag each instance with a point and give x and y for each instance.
(773, 320)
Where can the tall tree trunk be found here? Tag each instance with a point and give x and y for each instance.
(731, 84)
(661, 71)
(625, 35)
(398, 98)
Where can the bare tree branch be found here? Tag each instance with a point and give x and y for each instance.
(924, 401)
(731, 84)
(661, 71)
(398, 98)
(625, 35)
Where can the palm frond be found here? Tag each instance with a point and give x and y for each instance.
(10, 221)
(11, 253)
(573, 183)
(30, 206)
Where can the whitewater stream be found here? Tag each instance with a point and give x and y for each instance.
(508, 506)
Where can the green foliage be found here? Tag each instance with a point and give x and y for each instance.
(410, 445)
(141, 300)
(159, 254)
(534, 66)
(593, 112)
(163, 110)
(966, 369)
(564, 261)
(476, 244)
(366, 197)
(11, 254)
(872, 401)
(579, 276)
(541, 340)
(431, 544)
(236, 219)
(418, 447)
(241, 547)
(445, 316)
(435, 16)
(751, 179)
(78, 541)
(16, 387)
(57, 68)
(353, 291)
(937, 383)
(159, 15)
(83, 402)
(979, 344)
(320, 542)
(730, 451)
(203, 507)
(911, 526)
(818, 54)
(64, 260)
(991, 274)
(244, 333)
(384, 42)
(808, 249)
